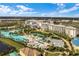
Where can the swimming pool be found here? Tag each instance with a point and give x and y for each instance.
(13, 54)
(19, 38)
(75, 41)
(6, 34)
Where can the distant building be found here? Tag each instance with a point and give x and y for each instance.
(29, 52)
(32, 23)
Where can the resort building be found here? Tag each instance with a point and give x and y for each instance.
(29, 52)
(57, 43)
(69, 30)
(32, 23)
(44, 26)
(57, 28)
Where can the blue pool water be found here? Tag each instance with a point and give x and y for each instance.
(6, 34)
(13, 36)
(18, 38)
(75, 41)
(13, 54)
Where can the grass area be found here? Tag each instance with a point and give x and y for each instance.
(12, 43)
(45, 34)
(52, 54)
(63, 35)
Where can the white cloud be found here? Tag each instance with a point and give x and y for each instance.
(76, 15)
(4, 9)
(70, 9)
(60, 4)
(24, 8)
(11, 11)
(77, 4)
(14, 12)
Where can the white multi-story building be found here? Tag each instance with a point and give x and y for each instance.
(69, 30)
(57, 28)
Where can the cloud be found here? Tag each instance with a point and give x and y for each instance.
(77, 4)
(70, 9)
(76, 15)
(14, 12)
(24, 8)
(60, 4)
(18, 10)
(4, 9)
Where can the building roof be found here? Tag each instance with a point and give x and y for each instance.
(70, 27)
(57, 43)
(29, 52)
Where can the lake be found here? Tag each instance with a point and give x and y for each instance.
(5, 49)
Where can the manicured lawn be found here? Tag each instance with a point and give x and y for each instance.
(52, 54)
(12, 43)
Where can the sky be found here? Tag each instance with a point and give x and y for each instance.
(40, 9)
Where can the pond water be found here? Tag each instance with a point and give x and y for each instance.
(4, 48)
(75, 41)
(16, 37)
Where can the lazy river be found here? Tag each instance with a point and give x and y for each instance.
(15, 37)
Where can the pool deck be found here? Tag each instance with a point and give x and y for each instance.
(75, 47)
(75, 43)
